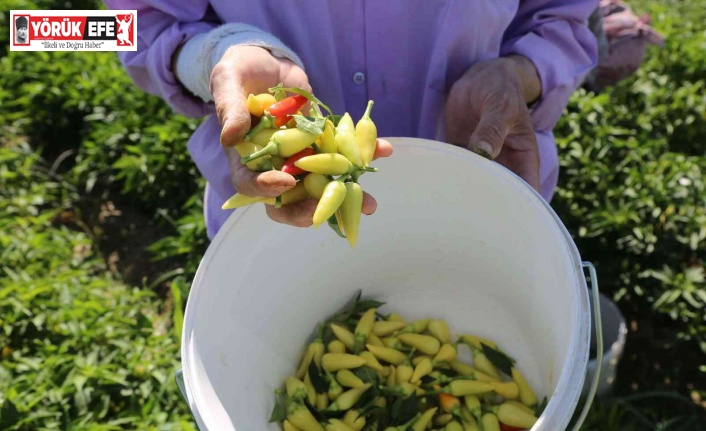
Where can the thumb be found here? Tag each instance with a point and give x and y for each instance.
(231, 106)
(488, 137)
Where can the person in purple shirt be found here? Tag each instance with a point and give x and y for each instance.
(493, 76)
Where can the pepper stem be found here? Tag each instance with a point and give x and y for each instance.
(278, 201)
(270, 148)
(368, 109)
(266, 122)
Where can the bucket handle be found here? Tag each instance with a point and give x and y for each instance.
(599, 343)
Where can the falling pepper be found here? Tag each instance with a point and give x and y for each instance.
(351, 209)
(331, 200)
(366, 134)
(346, 142)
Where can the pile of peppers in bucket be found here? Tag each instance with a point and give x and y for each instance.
(371, 372)
(326, 154)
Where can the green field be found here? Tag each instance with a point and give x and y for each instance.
(101, 231)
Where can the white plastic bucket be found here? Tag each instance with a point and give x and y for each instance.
(454, 236)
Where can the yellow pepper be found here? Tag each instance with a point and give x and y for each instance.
(336, 346)
(296, 389)
(334, 390)
(424, 343)
(328, 143)
(325, 164)
(473, 405)
(395, 317)
(310, 390)
(366, 134)
(354, 419)
(289, 427)
(315, 184)
(490, 422)
(371, 361)
(527, 395)
(404, 373)
(296, 194)
(257, 104)
(475, 341)
(383, 328)
(440, 330)
(422, 369)
(459, 388)
(509, 390)
(417, 326)
(483, 364)
(341, 361)
(314, 352)
(331, 200)
(392, 376)
(446, 353)
(346, 142)
(442, 420)
(453, 426)
(365, 324)
(392, 342)
(302, 418)
(344, 335)
(347, 399)
(337, 425)
(351, 209)
(515, 416)
(375, 340)
(424, 420)
(348, 379)
(240, 200)
(520, 405)
(245, 148)
(469, 423)
(392, 356)
(284, 143)
(322, 401)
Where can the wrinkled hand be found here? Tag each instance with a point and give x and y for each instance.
(487, 113)
(244, 70)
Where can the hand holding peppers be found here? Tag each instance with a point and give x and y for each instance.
(287, 148)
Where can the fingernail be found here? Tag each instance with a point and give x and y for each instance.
(484, 149)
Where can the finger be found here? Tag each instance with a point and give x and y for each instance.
(369, 204)
(292, 75)
(247, 182)
(488, 137)
(298, 214)
(383, 148)
(230, 102)
(521, 156)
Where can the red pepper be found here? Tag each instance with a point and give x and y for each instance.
(505, 427)
(289, 167)
(286, 107)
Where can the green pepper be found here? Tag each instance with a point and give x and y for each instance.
(351, 209)
(331, 200)
(346, 142)
(325, 164)
(284, 143)
(366, 134)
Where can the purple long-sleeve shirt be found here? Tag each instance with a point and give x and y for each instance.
(404, 54)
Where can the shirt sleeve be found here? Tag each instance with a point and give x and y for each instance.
(555, 36)
(163, 25)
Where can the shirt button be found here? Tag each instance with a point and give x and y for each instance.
(359, 78)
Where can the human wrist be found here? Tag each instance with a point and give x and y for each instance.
(528, 76)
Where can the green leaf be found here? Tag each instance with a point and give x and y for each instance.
(333, 224)
(408, 409)
(9, 416)
(367, 374)
(301, 92)
(501, 361)
(315, 126)
(317, 379)
(279, 412)
(177, 287)
(317, 414)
